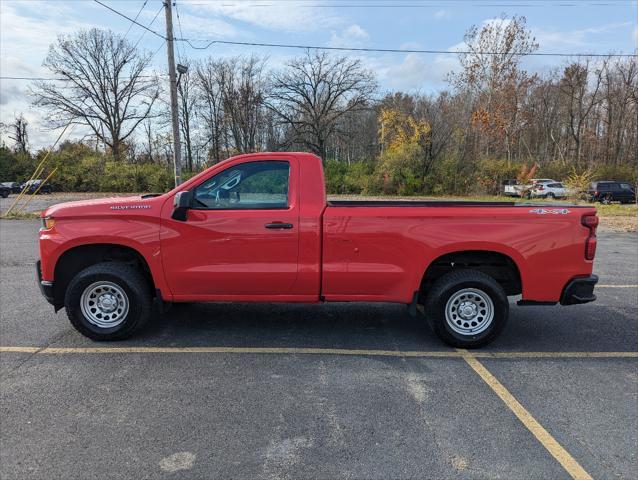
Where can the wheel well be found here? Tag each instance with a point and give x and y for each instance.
(498, 266)
(77, 259)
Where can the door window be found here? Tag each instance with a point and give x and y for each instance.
(259, 185)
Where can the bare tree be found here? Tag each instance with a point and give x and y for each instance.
(20, 135)
(107, 87)
(187, 105)
(579, 100)
(243, 93)
(212, 106)
(316, 91)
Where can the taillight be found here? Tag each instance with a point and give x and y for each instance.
(590, 221)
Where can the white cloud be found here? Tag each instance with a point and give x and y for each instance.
(575, 38)
(27, 29)
(634, 36)
(202, 27)
(353, 36)
(275, 16)
(414, 71)
(442, 14)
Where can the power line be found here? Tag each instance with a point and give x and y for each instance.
(136, 17)
(179, 23)
(129, 19)
(49, 79)
(155, 53)
(394, 50)
(149, 25)
(412, 4)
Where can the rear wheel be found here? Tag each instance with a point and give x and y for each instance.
(551, 196)
(108, 301)
(606, 199)
(467, 308)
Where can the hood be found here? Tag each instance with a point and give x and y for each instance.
(102, 206)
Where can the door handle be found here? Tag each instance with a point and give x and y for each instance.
(278, 226)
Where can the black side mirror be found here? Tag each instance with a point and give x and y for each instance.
(181, 204)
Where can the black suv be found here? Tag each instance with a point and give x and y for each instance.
(609, 191)
(36, 186)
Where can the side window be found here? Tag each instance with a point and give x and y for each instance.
(625, 186)
(614, 187)
(259, 185)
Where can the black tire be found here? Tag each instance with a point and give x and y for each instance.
(4, 194)
(551, 196)
(446, 287)
(606, 199)
(126, 277)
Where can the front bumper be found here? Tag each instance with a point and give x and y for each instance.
(579, 290)
(46, 287)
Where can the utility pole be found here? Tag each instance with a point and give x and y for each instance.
(177, 151)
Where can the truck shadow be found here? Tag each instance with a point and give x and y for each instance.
(339, 325)
(382, 326)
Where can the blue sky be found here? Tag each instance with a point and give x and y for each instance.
(27, 28)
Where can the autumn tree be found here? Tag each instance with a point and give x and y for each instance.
(106, 86)
(491, 73)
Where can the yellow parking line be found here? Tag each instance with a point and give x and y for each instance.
(543, 436)
(312, 351)
(483, 354)
(19, 349)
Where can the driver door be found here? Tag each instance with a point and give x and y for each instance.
(240, 239)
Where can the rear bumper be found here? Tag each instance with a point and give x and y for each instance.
(46, 288)
(579, 290)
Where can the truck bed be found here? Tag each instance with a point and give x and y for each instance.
(417, 203)
(445, 203)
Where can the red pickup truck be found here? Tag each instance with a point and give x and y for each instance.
(258, 228)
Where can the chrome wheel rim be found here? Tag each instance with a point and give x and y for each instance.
(104, 304)
(469, 311)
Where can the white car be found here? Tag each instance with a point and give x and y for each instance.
(549, 190)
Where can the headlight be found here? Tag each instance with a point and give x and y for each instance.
(47, 223)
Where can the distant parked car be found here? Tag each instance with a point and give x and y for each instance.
(549, 190)
(34, 185)
(510, 188)
(13, 186)
(538, 181)
(527, 191)
(606, 191)
(4, 190)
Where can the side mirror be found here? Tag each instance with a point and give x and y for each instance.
(181, 204)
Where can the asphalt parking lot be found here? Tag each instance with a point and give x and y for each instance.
(331, 391)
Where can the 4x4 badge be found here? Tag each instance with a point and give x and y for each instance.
(553, 211)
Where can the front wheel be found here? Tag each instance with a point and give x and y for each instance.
(108, 301)
(467, 308)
